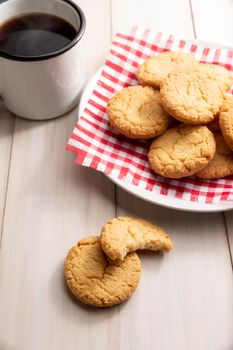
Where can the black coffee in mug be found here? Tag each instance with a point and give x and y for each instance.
(35, 34)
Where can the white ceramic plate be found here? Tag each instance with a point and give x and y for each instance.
(153, 197)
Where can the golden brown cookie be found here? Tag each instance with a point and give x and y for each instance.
(137, 112)
(92, 279)
(222, 163)
(156, 68)
(192, 95)
(226, 121)
(223, 76)
(124, 234)
(182, 151)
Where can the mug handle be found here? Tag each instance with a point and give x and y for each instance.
(0, 82)
(1, 1)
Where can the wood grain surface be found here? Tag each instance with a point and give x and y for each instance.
(47, 203)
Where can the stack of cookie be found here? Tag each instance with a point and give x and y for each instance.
(183, 105)
(105, 271)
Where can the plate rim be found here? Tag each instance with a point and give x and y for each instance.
(158, 199)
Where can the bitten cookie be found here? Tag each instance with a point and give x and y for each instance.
(122, 235)
(137, 112)
(94, 281)
(192, 95)
(226, 121)
(156, 68)
(182, 151)
(222, 163)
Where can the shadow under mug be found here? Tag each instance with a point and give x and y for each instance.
(45, 86)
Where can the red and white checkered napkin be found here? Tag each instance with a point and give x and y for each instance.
(98, 146)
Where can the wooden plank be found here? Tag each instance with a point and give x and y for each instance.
(229, 227)
(158, 15)
(213, 20)
(7, 121)
(219, 29)
(52, 203)
(180, 303)
(185, 297)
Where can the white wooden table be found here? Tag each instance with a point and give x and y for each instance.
(185, 299)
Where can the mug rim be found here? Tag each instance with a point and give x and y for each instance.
(58, 52)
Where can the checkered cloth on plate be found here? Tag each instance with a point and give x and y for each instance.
(100, 147)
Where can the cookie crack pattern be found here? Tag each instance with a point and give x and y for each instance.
(226, 121)
(222, 163)
(126, 234)
(131, 233)
(136, 112)
(92, 279)
(156, 68)
(101, 282)
(193, 95)
(81, 244)
(182, 151)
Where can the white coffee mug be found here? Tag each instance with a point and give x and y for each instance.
(44, 86)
